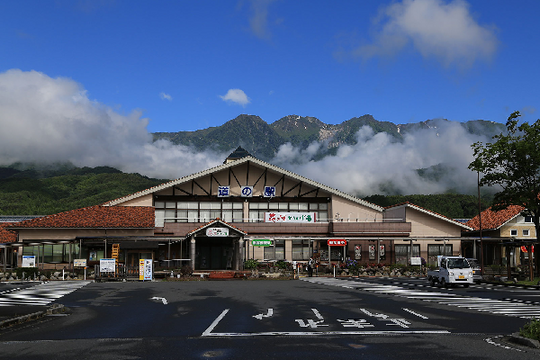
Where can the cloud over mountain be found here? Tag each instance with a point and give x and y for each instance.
(47, 120)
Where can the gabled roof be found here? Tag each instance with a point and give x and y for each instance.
(493, 220)
(7, 236)
(429, 212)
(101, 217)
(214, 222)
(241, 161)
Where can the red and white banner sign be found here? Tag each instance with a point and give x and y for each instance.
(337, 242)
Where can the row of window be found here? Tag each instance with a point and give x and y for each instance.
(301, 251)
(524, 232)
(204, 211)
(58, 253)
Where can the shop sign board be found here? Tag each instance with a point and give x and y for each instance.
(107, 265)
(145, 269)
(217, 232)
(224, 191)
(79, 262)
(247, 191)
(337, 242)
(269, 191)
(28, 261)
(261, 242)
(290, 217)
(416, 260)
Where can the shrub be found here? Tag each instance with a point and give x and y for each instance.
(531, 330)
(251, 264)
(283, 265)
(29, 272)
(186, 270)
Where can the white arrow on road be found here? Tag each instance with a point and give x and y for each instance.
(261, 316)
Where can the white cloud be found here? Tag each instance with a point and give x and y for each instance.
(236, 96)
(258, 21)
(437, 29)
(48, 120)
(378, 160)
(165, 96)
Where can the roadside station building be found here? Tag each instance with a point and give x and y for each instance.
(243, 209)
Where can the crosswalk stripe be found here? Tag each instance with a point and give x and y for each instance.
(42, 294)
(499, 307)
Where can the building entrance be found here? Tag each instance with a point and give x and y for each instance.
(214, 254)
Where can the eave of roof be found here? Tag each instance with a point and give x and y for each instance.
(214, 222)
(236, 163)
(429, 212)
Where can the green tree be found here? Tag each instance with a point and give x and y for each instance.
(512, 162)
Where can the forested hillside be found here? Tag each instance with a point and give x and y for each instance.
(38, 191)
(33, 190)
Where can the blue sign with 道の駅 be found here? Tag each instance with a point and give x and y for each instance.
(224, 191)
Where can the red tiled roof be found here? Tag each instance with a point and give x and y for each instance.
(123, 217)
(492, 220)
(7, 236)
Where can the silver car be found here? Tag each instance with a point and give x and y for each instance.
(477, 270)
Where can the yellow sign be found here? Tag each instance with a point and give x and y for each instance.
(141, 269)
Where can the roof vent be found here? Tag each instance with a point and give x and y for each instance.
(237, 154)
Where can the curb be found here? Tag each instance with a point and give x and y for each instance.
(54, 309)
(516, 338)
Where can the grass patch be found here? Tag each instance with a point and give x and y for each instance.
(531, 330)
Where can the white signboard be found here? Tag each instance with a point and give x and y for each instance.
(416, 261)
(217, 232)
(247, 191)
(145, 269)
(224, 191)
(298, 217)
(28, 261)
(107, 265)
(79, 262)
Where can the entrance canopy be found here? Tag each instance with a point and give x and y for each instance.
(217, 245)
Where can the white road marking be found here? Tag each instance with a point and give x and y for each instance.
(269, 313)
(499, 307)
(41, 294)
(162, 299)
(415, 313)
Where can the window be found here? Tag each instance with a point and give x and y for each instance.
(258, 209)
(403, 253)
(195, 211)
(513, 232)
(435, 250)
(57, 253)
(276, 251)
(525, 232)
(528, 219)
(300, 250)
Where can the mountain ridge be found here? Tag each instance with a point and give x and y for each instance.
(263, 139)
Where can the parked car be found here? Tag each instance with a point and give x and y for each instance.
(453, 270)
(477, 270)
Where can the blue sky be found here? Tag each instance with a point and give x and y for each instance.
(188, 65)
(88, 81)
